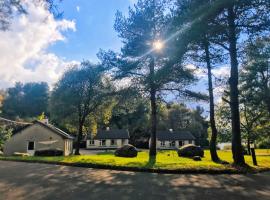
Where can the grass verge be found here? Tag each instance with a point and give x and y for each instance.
(165, 162)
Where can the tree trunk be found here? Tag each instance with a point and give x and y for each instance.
(79, 138)
(238, 156)
(248, 144)
(213, 141)
(152, 149)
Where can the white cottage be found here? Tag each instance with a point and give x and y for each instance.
(173, 139)
(39, 135)
(108, 139)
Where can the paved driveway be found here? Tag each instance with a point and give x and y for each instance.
(41, 181)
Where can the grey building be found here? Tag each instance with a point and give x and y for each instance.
(39, 135)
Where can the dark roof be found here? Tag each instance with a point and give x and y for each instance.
(111, 134)
(174, 135)
(48, 126)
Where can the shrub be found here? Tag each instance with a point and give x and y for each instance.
(126, 151)
(49, 152)
(263, 145)
(190, 151)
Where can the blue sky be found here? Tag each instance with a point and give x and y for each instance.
(38, 47)
(94, 28)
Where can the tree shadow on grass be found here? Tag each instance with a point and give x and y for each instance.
(107, 152)
(220, 161)
(151, 162)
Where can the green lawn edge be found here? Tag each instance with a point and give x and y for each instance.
(229, 170)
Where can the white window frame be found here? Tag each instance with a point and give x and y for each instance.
(162, 143)
(101, 143)
(171, 143)
(114, 143)
(91, 142)
(181, 143)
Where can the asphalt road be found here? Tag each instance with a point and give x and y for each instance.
(41, 181)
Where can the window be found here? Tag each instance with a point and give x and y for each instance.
(102, 142)
(162, 143)
(180, 143)
(31, 145)
(172, 143)
(113, 142)
(123, 141)
(91, 142)
(190, 141)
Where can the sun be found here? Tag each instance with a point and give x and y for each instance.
(158, 45)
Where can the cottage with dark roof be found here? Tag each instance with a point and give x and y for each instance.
(39, 135)
(173, 139)
(107, 139)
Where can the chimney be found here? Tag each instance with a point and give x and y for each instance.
(45, 121)
(107, 128)
(171, 130)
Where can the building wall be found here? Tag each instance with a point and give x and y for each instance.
(118, 143)
(36, 133)
(167, 144)
(68, 147)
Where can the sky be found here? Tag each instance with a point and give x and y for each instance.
(94, 28)
(37, 47)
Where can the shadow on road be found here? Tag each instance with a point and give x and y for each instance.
(41, 181)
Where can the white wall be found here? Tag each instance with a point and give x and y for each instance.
(118, 143)
(167, 144)
(68, 147)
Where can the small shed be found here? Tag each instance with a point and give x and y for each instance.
(39, 135)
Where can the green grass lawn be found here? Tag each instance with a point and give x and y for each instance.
(167, 160)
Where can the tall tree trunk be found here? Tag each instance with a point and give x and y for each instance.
(248, 143)
(238, 156)
(213, 141)
(79, 138)
(152, 149)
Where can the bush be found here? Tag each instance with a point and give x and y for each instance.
(263, 145)
(49, 152)
(190, 151)
(126, 151)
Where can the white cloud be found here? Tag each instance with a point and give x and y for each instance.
(200, 73)
(24, 56)
(78, 8)
(222, 71)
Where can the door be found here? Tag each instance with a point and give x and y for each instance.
(31, 148)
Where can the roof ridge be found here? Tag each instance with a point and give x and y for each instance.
(55, 129)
